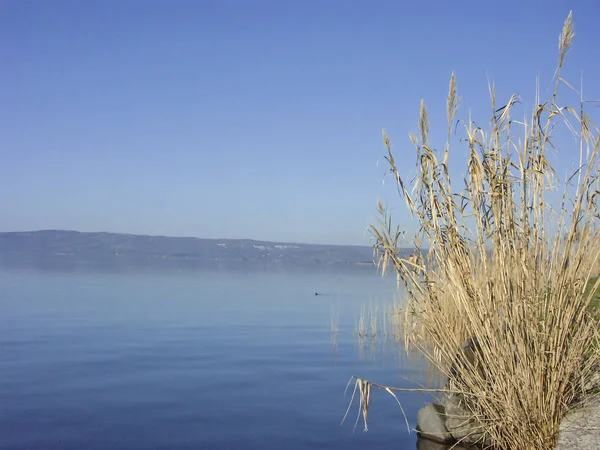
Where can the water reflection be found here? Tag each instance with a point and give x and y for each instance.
(379, 337)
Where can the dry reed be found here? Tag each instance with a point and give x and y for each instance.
(503, 266)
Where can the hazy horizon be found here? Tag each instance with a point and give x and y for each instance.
(254, 120)
(182, 237)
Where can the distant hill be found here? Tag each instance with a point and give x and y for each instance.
(69, 247)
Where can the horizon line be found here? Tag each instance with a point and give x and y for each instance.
(180, 237)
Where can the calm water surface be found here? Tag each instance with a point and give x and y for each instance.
(193, 360)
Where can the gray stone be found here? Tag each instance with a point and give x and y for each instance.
(459, 420)
(594, 382)
(460, 423)
(427, 444)
(467, 355)
(431, 423)
(580, 429)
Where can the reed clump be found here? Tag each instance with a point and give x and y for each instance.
(508, 263)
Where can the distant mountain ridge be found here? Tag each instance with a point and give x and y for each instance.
(114, 248)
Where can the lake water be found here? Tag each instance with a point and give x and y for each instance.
(194, 360)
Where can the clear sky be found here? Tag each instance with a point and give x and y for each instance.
(248, 119)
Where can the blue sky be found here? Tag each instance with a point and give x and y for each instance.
(249, 119)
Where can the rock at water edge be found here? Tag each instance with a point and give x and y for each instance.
(431, 423)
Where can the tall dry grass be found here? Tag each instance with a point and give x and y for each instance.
(507, 265)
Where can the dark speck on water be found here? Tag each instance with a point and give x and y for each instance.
(192, 360)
